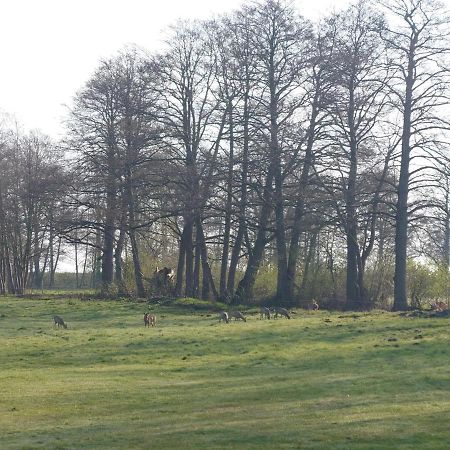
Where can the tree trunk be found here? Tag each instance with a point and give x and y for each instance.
(351, 222)
(309, 257)
(446, 243)
(227, 225)
(197, 263)
(300, 205)
(280, 236)
(108, 254)
(55, 265)
(205, 265)
(180, 265)
(118, 276)
(37, 276)
(189, 285)
(109, 224)
(243, 200)
(51, 245)
(84, 267)
(401, 223)
(77, 275)
(96, 257)
(244, 291)
(138, 277)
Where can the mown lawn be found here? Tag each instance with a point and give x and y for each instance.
(321, 380)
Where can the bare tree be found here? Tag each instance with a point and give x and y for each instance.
(281, 39)
(30, 187)
(419, 47)
(356, 135)
(192, 126)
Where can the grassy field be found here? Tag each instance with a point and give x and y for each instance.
(321, 380)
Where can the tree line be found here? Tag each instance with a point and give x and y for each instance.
(257, 142)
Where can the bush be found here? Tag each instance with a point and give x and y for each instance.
(420, 280)
(266, 283)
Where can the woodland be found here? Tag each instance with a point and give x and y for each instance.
(259, 155)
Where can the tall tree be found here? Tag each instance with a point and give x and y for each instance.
(319, 82)
(282, 39)
(191, 132)
(418, 40)
(357, 108)
(94, 125)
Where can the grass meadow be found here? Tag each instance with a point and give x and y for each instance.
(318, 381)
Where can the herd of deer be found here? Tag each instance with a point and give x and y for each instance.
(265, 312)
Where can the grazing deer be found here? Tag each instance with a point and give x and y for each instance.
(59, 321)
(224, 316)
(237, 315)
(149, 320)
(282, 311)
(264, 312)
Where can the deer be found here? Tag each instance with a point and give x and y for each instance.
(149, 320)
(315, 305)
(439, 306)
(282, 311)
(164, 277)
(224, 316)
(59, 321)
(264, 312)
(237, 315)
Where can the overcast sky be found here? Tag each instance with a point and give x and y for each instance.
(49, 48)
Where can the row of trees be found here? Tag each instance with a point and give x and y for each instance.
(258, 140)
(31, 188)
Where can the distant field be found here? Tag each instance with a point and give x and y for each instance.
(321, 380)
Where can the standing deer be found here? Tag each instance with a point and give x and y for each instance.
(149, 320)
(59, 321)
(264, 312)
(237, 315)
(164, 278)
(224, 316)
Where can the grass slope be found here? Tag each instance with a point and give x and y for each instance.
(321, 380)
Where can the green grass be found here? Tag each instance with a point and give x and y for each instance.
(321, 380)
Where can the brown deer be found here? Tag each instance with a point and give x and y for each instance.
(59, 321)
(237, 315)
(224, 316)
(164, 277)
(149, 320)
(439, 306)
(282, 311)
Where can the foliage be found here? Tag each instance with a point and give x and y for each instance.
(425, 282)
(440, 286)
(266, 282)
(327, 289)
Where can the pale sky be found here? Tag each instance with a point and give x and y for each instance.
(50, 48)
